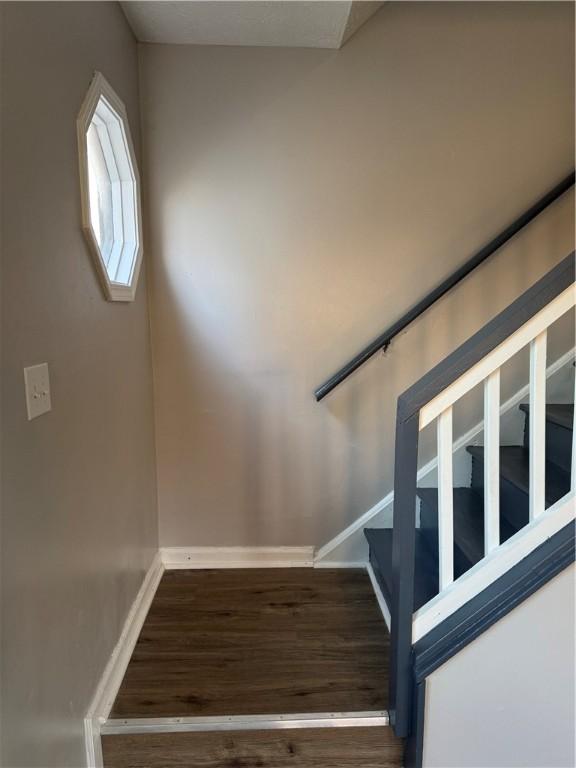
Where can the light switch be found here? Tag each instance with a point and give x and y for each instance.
(37, 383)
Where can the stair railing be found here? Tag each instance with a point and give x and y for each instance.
(382, 342)
(432, 399)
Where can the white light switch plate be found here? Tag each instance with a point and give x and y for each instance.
(37, 381)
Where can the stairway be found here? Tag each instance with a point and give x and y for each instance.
(469, 507)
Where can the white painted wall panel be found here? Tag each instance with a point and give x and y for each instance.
(507, 699)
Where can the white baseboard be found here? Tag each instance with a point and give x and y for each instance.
(336, 564)
(116, 667)
(380, 597)
(237, 557)
(385, 505)
(354, 527)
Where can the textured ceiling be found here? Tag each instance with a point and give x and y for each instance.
(286, 23)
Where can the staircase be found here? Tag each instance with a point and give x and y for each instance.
(468, 506)
(459, 558)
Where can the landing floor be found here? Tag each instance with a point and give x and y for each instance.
(274, 641)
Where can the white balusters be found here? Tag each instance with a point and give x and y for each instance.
(492, 462)
(537, 425)
(498, 357)
(543, 523)
(445, 499)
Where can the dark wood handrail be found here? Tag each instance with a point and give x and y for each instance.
(431, 298)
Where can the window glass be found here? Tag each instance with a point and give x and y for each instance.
(100, 194)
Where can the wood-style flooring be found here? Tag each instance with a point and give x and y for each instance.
(314, 748)
(252, 641)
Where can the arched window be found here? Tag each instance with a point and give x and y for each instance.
(110, 188)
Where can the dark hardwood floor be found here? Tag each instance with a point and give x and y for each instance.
(238, 642)
(315, 748)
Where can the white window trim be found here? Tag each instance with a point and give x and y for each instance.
(100, 87)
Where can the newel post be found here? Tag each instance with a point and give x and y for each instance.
(403, 564)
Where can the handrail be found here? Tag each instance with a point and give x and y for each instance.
(383, 341)
(522, 309)
(409, 407)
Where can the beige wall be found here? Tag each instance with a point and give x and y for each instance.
(79, 524)
(299, 202)
(520, 676)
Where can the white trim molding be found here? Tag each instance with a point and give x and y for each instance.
(383, 605)
(115, 669)
(236, 557)
(384, 506)
(353, 528)
(326, 565)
